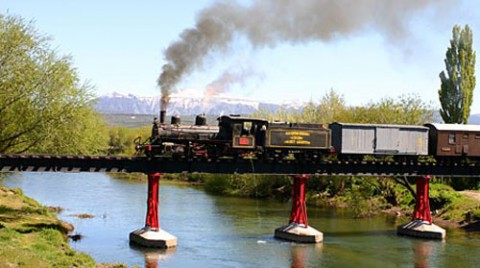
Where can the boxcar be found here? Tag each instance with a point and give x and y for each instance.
(376, 139)
(454, 140)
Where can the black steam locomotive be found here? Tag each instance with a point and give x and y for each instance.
(236, 136)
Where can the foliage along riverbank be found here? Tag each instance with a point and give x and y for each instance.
(32, 236)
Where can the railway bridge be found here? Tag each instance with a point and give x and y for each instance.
(297, 229)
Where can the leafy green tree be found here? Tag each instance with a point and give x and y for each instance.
(403, 110)
(331, 108)
(121, 139)
(458, 82)
(43, 106)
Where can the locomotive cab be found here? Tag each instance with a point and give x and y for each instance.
(242, 132)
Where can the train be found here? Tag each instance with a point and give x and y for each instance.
(238, 136)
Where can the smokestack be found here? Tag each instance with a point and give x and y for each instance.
(163, 108)
(163, 115)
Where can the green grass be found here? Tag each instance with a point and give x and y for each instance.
(31, 236)
(452, 205)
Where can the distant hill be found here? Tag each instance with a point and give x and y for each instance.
(185, 103)
(474, 119)
(134, 121)
(130, 110)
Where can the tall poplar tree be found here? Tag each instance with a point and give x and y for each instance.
(458, 82)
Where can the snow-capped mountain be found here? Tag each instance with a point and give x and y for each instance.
(185, 103)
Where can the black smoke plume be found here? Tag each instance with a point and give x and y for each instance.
(272, 22)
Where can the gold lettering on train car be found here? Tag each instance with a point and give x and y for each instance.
(446, 149)
(297, 133)
(303, 142)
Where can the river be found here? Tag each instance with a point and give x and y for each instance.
(215, 231)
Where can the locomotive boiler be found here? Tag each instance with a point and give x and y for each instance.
(178, 140)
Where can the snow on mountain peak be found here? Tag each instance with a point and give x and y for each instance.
(185, 102)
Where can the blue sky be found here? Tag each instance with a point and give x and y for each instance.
(118, 46)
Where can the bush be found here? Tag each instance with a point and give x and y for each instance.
(216, 184)
(442, 195)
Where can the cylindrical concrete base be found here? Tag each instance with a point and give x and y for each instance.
(299, 233)
(422, 229)
(149, 238)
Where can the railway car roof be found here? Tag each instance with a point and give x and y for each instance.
(379, 125)
(454, 127)
(240, 118)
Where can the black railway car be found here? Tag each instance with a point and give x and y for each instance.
(302, 140)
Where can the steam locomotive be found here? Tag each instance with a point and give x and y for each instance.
(237, 137)
(246, 137)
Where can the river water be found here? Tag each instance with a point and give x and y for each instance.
(217, 231)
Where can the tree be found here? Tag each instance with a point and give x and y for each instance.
(121, 139)
(43, 106)
(403, 110)
(458, 82)
(331, 108)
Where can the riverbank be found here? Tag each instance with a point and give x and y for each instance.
(32, 236)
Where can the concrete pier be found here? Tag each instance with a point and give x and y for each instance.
(299, 233)
(151, 236)
(298, 230)
(147, 237)
(422, 229)
(421, 225)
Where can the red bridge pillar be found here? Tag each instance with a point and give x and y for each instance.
(422, 201)
(151, 220)
(297, 229)
(299, 208)
(151, 235)
(421, 224)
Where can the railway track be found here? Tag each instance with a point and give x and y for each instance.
(89, 163)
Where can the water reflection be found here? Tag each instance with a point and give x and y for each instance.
(422, 250)
(301, 254)
(152, 257)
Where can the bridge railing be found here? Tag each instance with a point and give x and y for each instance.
(86, 163)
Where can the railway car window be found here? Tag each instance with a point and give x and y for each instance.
(247, 127)
(477, 136)
(451, 138)
(237, 129)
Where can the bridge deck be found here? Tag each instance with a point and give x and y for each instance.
(80, 163)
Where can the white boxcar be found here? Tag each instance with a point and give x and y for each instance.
(379, 139)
